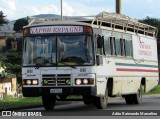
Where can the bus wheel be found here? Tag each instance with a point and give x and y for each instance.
(137, 98)
(101, 102)
(128, 99)
(48, 102)
(87, 100)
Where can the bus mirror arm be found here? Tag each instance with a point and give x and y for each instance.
(100, 41)
(99, 60)
(137, 61)
(107, 61)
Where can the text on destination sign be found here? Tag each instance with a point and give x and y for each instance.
(56, 29)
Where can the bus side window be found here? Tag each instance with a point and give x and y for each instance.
(100, 44)
(128, 44)
(112, 44)
(107, 48)
(123, 47)
(118, 46)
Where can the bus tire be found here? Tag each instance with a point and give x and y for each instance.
(48, 102)
(87, 100)
(101, 102)
(137, 98)
(128, 99)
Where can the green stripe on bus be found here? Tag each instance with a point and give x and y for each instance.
(136, 65)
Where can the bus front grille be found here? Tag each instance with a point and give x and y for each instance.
(56, 80)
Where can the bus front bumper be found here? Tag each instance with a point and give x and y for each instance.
(39, 91)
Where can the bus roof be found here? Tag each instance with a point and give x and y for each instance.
(64, 22)
(103, 19)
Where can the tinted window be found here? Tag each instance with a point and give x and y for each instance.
(112, 44)
(107, 47)
(123, 48)
(118, 47)
(128, 47)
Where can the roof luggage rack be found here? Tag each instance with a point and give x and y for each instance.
(118, 21)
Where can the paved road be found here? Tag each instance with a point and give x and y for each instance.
(149, 103)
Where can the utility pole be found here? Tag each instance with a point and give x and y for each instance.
(118, 7)
(61, 10)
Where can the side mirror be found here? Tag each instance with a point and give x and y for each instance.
(99, 59)
(100, 41)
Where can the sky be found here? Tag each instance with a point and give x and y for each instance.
(137, 9)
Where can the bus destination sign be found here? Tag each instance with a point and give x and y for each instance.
(56, 29)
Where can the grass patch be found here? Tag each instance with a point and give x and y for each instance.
(10, 102)
(156, 90)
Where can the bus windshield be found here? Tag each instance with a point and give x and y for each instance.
(58, 51)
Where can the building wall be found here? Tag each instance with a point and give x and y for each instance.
(2, 42)
(2, 88)
(14, 84)
(10, 86)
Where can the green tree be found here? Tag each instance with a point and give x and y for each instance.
(13, 63)
(18, 26)
(8, 42)
(19, 44)
(2, 20)
(153, 22)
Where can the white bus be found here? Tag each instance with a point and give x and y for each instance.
(108, 56)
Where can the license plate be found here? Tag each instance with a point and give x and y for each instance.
(59, 90)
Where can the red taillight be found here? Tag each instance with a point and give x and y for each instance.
(88, 30)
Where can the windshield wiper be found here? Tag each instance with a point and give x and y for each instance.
(68, 64)
(38, 65)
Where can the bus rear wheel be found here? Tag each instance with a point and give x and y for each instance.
(48, 102)
(129, 99)
(101, 102)
(134, 98)
(137, 98)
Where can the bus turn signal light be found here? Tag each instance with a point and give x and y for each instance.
(26, 31)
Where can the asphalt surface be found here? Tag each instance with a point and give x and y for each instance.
(150, 104)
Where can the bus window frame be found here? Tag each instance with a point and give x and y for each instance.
(63, 34)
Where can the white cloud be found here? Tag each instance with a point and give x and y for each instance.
(14, 10)
(9, 5)
(80, 9)
(9, 8)
(67, 10)
(50, 9)
(77, 9)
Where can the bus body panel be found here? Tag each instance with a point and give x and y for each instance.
(126, 73)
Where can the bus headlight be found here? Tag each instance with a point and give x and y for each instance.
(78, 81)
(28, 82)
(85, 81)
(34, 82)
